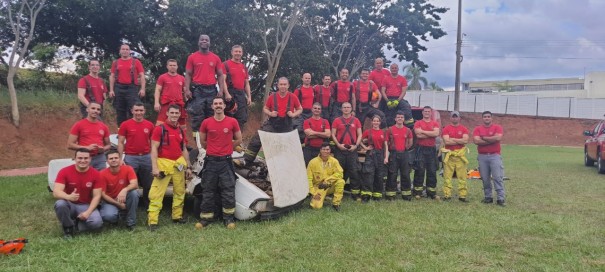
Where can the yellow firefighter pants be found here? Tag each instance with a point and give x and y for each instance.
(158, 189)
(337, 188)
(454, 164)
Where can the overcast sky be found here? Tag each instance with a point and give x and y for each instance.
(519, 39)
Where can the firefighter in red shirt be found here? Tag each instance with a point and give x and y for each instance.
(379, 73)
(364, 94)
(306, 96)
(169, 90)
(92, 134)
(393, 91)
(346, 134)
(169, 163)
(455, 137)
(218, 135)
(120, 191)
(400, 140)
(317, 132)
(127, 79)
(204, 70)
(487, 137)
(342, 91)
(236, 80)
(425, 159)
(374, 168)
(91, 88)
(281, 107)
(323, 95)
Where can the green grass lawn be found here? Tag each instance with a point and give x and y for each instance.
(554, 221)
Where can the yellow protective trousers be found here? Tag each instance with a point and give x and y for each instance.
(337, 188)
(454, 161)
(158, 189)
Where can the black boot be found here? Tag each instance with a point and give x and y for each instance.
(68, 233)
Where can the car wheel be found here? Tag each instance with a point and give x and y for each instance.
(587, 160)
(600, 165)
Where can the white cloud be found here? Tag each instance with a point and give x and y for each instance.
(517, 39)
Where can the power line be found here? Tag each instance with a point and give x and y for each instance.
(534, 57)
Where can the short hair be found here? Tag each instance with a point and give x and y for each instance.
(399, 113)
(124, 44)
(326, 144)
(81, 150)
(93, 102)
(236, 46)
(171, 60)
(138, 104)
(428, 107)
(327, 76)
(283, 78)
(317, 104)
(365, 70)
(221, 98)
(344, 69)
(486, 112)
(111, 151)
(93, 59)
(173, 106)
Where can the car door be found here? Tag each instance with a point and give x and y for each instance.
(591, 142)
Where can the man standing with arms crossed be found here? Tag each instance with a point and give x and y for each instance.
(168, 91)
(281, 107)
(317, 132)
(455, 137)
(203, 70)
(127, 79)
(425, 159)
(236, 79)
(134, 142)
(120, 191)
(323, 95)
(305, 95)
(218, 135)
(92, 134)
(487, 138)
(393, 91)
(169, 163)
(346, 134)
(400, 139)
(78, 192)
(91, 88)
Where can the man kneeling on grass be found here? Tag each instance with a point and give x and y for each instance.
(78, 190)
(325, 177)
(120, 194)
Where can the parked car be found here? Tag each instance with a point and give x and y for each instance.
(594, 146)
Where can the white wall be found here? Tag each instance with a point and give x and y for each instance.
(594, 83)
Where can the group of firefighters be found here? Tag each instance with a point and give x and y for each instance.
(329, 118)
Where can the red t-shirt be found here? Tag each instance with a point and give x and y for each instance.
(97, 87)
(138, 136)
(319, 125)
(378, 75)
(114, 183)
(89, 133)
(171, 147)
(400, 135)
(340, 126)
(488, 131)
(362, 90)
(282, 102)
(219, 135)
(394, 85)
(85, 182)
(343, 94)
(377, 138)
(322, 95)
(308, 95)
(204, 67)
(172, 89)
(426, 126)
(238, 73)
(455, 132)
(123, 68)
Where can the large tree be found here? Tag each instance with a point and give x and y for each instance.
(414, 76)
(22, 17)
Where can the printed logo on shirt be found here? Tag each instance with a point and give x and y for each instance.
(180, 83)
(89, 184)
(226, 130)
(121, 182)
(101, 132)
(146, 130)
(211, 63)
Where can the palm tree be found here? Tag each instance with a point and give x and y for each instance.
(433, 86)
(412, 74)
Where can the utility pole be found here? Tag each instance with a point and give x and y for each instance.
(458, 58)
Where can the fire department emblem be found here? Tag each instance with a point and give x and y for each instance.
(211, 63)
(225, 130)
(101, 132)
(121, 182)
(89, 184)
(146, 131)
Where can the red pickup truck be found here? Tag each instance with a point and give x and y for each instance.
(594, 146)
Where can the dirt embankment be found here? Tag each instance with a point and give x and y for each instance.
(41, 138)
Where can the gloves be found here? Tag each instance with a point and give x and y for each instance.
(392, 104)
(323, 185)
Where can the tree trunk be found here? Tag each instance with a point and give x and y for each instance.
(13, 96)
